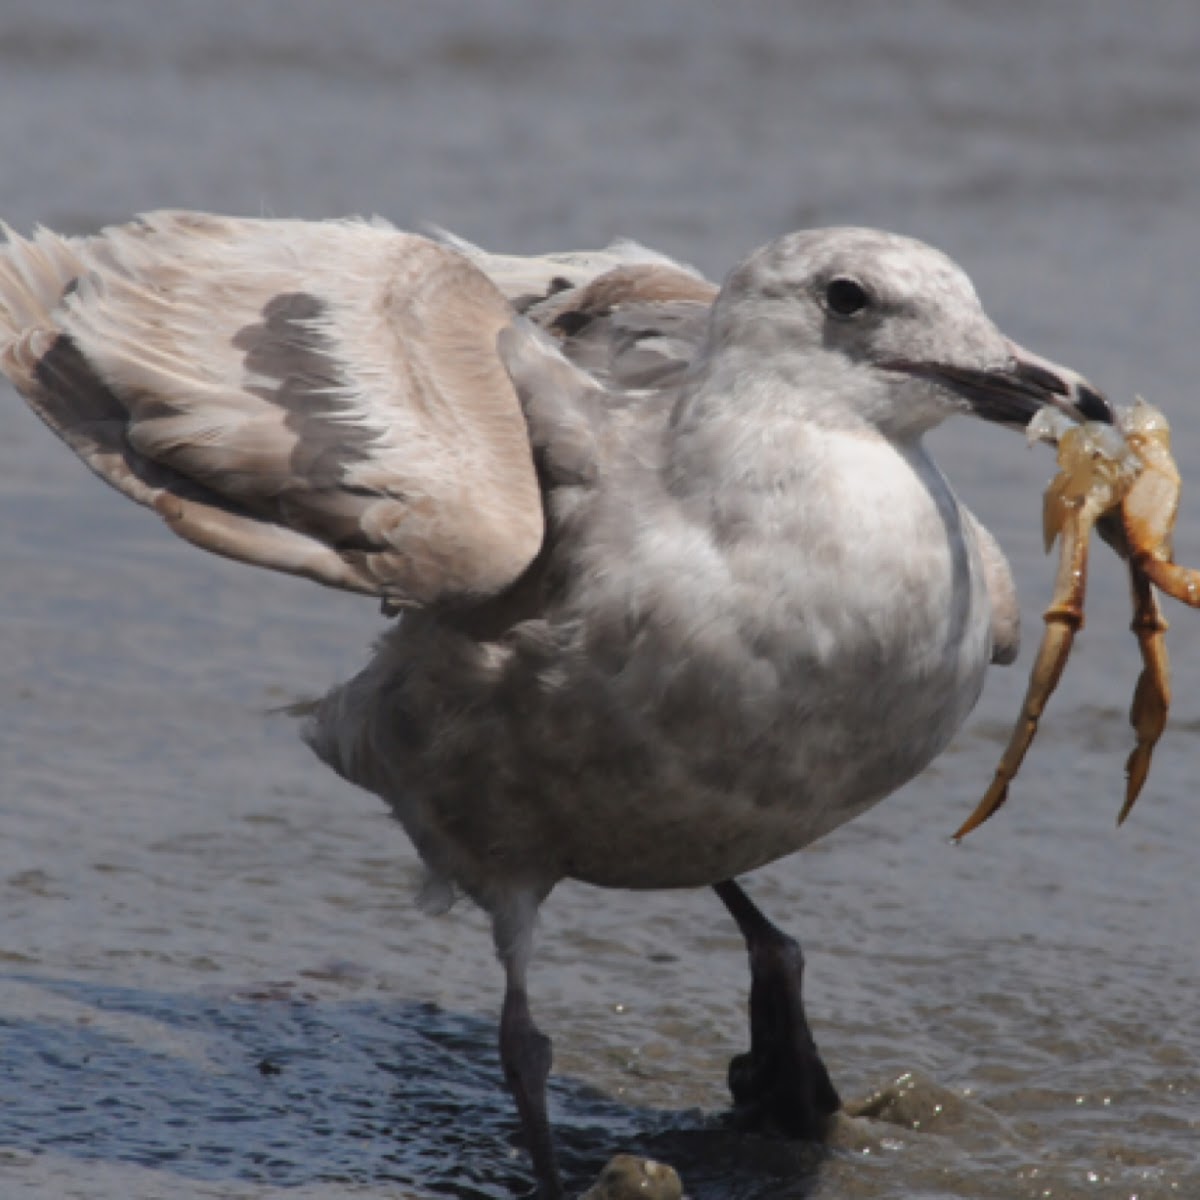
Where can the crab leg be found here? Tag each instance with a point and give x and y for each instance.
(1122, 478)
(1148, 512)
(1152, 698)
(1180, 583)
(1063, 618)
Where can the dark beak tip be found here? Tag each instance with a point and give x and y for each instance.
(1093, 406)
(1063, 388)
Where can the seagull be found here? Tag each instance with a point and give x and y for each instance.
(679, 587)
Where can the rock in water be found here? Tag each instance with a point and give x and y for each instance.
(627, 1177)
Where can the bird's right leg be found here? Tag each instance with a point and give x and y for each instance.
(525, 1052)
(781, 1084)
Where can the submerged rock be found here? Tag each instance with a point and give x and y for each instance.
(913, 1102)
(627, 1177)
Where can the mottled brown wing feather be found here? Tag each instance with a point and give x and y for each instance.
(318, 398)
(636, 326)
(322, 399)
(326, 398)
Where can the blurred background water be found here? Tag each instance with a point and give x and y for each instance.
(212, 978)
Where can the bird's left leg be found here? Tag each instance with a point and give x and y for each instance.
(781, 1084)
(525, 1052)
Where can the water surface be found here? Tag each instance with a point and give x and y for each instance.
(212, 978)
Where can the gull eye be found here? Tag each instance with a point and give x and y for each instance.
(846, 297)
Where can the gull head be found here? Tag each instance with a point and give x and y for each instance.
(869, 326)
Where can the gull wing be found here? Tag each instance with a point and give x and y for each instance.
(1001, 589)
(630, 317)
(321, 398)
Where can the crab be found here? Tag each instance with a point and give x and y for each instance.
(1121, 480)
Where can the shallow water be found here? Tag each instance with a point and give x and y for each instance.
(212, 979)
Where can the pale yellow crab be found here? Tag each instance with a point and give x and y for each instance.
(1122, 480)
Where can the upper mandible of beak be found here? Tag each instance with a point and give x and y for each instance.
(1013, 392)
(1068, 391)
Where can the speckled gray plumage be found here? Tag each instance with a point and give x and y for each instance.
(760, 613)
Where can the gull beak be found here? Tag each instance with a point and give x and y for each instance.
(1015, 392)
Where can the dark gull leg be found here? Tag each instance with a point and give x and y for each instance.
(781, 1084)
(525, 1052)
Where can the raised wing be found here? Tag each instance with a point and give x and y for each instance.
(328, 398)
(318, 398)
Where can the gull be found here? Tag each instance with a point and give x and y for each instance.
(679, 588)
